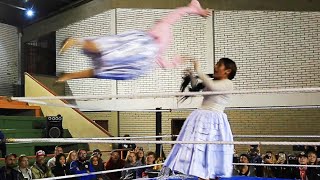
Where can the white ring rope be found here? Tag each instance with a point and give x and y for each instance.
(72, 140)
(235, 136)
(171, 136)
(177, 94)
(139, 167)
(275, 165)
(163, 110)
(276, 136)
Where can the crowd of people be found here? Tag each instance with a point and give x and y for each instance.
(80, 162)
(309, 156)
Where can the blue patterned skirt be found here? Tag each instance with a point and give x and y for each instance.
(203, 160)
(124, 56)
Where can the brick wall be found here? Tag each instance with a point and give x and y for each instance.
(73, 60)
(9, 45)
(272, 49)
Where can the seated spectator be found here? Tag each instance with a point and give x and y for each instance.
(281, 171)
(304, 172)
(40, 169)
(244, 170)
(98, 154)
(115, 162)
(8, 172)
(72, 156)
(312, 158)
(150, 172)
(131, 161)
(23, 167)
(81, 166)
(255, 157)
(140, 155)
(51, 162)
(98, 166)
(60, 168)
(268, 158)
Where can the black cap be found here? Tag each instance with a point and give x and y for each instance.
(303, 154)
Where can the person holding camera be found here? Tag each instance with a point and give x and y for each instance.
(125, 147)
(268, 158)
(281, 171)
(244, 170)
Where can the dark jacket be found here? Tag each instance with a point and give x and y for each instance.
(110, 165)
(78, 167)
(312, 173)
(7, 173)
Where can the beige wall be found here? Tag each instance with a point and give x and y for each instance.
(72, 120)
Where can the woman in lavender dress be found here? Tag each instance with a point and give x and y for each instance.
(130, 54)
(208, 123)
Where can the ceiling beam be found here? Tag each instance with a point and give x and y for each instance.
(98, 6)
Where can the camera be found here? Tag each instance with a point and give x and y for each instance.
(267, 156)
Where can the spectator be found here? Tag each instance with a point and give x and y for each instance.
(81, 166)
(72, 156)
(254, 155)
(140, 155)
(150, 172)
(268, 158)
(127, 147)
(98, 153)
(281, 171)
(304, 172)
(3, 146)
(8, 172)
(23, 167)
(98, 166)
(131, 161)
(115, 162)
(51, 162)
(244, 170)
(312, 158)
(40, 169)
(60, 168)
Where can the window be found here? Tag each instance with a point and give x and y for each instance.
(103, 123)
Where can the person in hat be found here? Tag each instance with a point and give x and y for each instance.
(304, 173)
(244, 170)
(8, 172)
(40, 169)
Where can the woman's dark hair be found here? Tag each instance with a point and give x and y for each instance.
(58, 158)
(229, 64)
